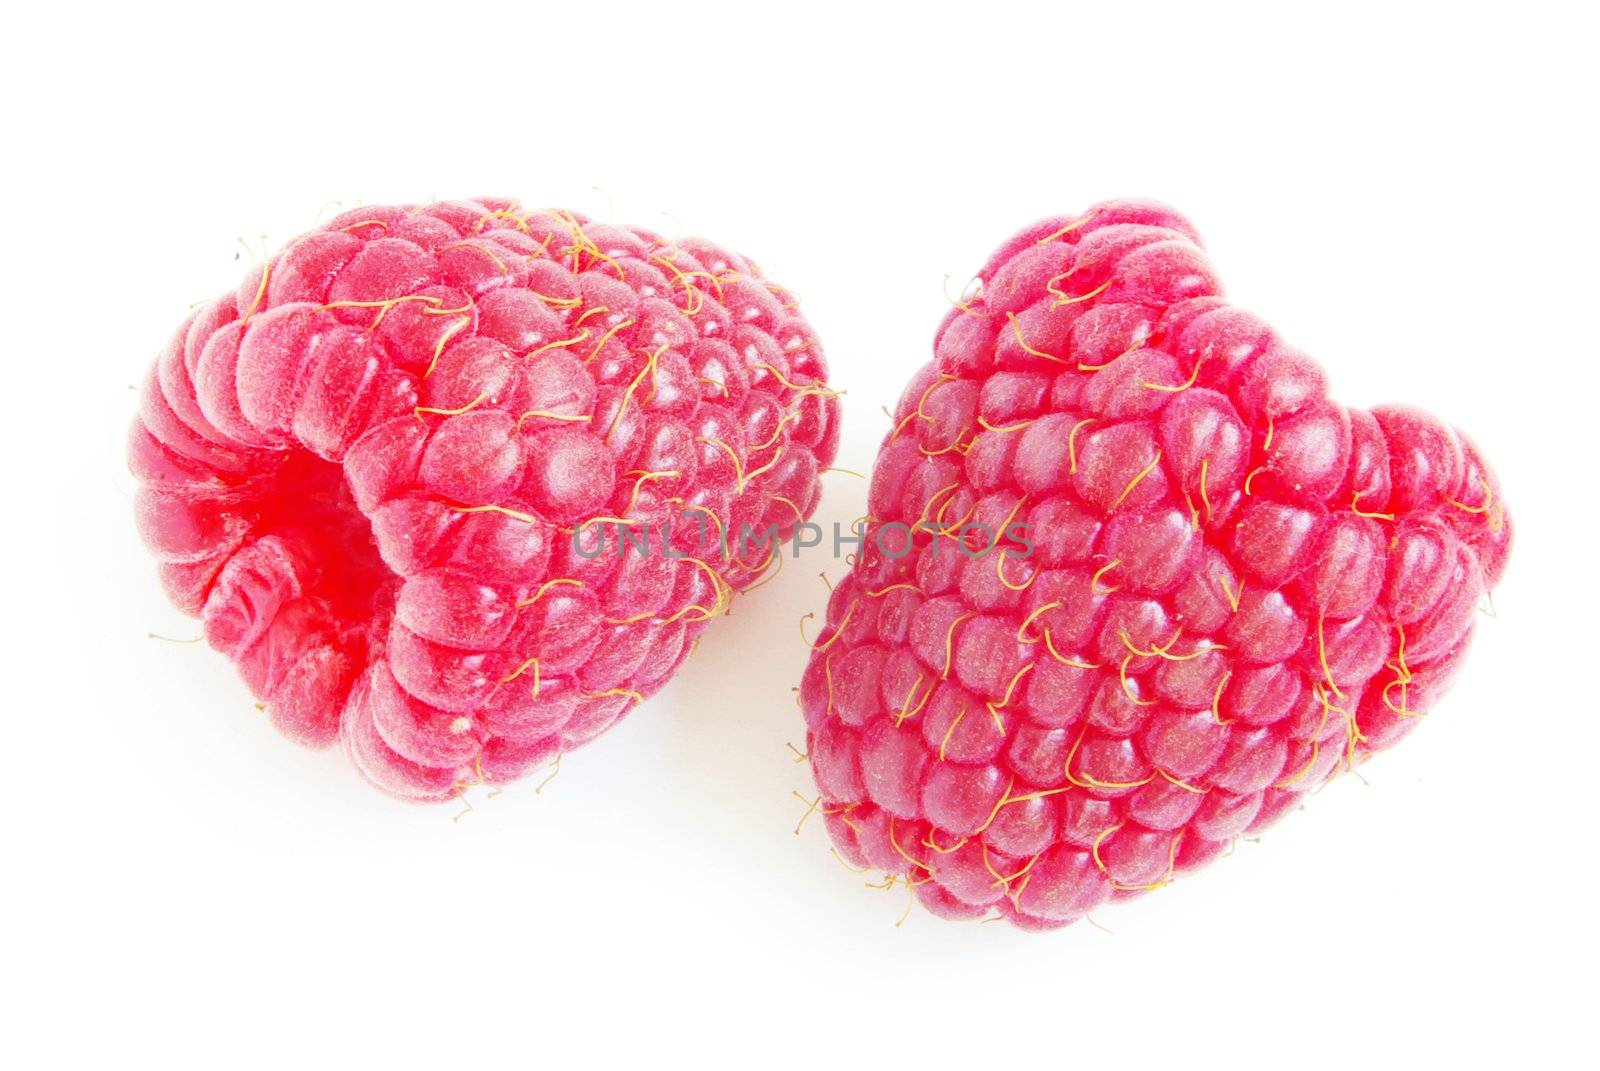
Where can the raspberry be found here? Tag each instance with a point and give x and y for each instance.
(1199, 590)
(420, 476)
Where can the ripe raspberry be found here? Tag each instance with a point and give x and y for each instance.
(395, 471)
(1212, 588)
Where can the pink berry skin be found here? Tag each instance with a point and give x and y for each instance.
(389, 471)
(1226, 588)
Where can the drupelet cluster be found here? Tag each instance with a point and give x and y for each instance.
(460, 484)
(1132, 585)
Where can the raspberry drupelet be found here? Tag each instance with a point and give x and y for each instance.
(1210, 590)
(460, 484)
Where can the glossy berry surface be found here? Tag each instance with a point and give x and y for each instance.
(1160, 587)
(460, 484)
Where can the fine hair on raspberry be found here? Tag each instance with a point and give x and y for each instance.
(1205, 590)
(460, 484)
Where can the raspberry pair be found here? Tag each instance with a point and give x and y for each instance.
(459, 485)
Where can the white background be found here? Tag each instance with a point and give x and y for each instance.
(1411, 198)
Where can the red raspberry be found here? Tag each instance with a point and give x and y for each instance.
(381, 473)
(1212, 587)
